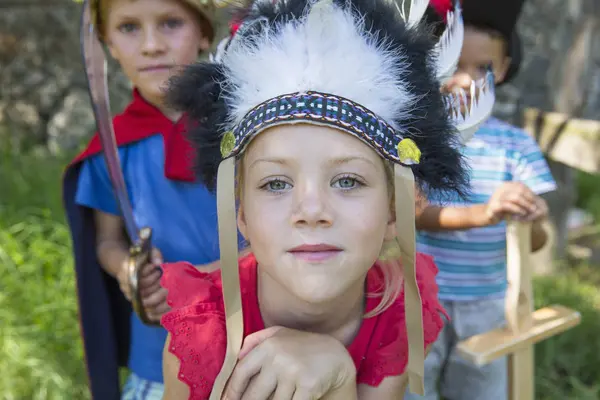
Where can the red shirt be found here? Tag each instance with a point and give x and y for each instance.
(198, 334)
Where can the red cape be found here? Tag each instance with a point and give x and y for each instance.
(141, 120)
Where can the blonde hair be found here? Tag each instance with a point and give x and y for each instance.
(391, 269)
(206, 27)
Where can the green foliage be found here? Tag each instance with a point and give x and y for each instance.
(40, 348)
(568, 366)
(588, 191)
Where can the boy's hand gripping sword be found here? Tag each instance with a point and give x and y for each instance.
(96, 73)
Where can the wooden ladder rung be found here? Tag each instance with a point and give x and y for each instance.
(486, 347)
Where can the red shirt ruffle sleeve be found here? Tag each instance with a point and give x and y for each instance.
(197, 314)
(387, 354)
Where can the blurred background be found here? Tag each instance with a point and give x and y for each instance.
(45, 118)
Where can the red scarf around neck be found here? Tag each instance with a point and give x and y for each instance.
(141, 120)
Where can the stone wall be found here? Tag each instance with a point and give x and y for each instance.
(43, 98)
(561, 66)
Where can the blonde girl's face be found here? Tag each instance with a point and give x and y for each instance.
(152, 38)
(315, 208)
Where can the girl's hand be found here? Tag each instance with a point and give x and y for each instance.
(284, 364)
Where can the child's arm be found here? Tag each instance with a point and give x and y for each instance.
(112, 248)
(174, 388)
(391, 388)
(512, 199)
(435, 218)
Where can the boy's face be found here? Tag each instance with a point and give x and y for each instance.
(152, 38)
(480, 50)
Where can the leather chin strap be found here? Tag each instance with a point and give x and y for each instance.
(230, 273)
(404, 186)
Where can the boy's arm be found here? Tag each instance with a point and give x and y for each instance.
(435, 218)
(512, 198)
(112, 248)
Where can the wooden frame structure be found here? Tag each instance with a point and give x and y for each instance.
(525, 327)
(571, 143)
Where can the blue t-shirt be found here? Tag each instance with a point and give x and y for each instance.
(472, 263)
(182, 215)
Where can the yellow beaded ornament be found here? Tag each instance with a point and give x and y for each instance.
(227, 143)
(408, 152)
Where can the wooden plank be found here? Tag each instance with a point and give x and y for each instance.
(547, 322)
(519, 294)
(573, 142)
(521, 365)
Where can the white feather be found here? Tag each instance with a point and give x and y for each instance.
(449, 47)
(478, 108)
(415, 13)
(318, 53)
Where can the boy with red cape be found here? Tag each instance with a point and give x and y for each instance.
(149, 39)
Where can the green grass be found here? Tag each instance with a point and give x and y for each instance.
(40, 348)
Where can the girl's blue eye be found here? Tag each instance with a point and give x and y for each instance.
(346, 182)
(277, 185)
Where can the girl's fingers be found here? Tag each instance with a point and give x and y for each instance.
(261, 386)
(302, 394)
(246, 368)
(253, 340)
(285, 391)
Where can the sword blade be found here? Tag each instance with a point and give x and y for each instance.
(96, 73)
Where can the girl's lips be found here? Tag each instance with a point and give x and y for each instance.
(315, 252)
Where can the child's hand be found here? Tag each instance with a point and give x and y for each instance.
(515, 200)
(154, 296)
(282, 363)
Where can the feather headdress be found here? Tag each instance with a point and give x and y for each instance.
(370, 68)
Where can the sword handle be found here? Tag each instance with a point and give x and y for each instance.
(139, 255)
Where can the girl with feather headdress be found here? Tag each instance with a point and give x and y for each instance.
(315, 125)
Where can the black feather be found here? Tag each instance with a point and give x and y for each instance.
(197, 92)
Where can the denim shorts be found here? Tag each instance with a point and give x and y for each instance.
(449, 376)
(137, 388)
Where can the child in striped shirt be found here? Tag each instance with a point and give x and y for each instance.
(467, 237)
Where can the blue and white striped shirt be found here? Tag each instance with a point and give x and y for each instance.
(472, 263)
